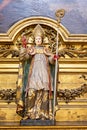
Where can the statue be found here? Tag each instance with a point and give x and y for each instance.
(35, 86)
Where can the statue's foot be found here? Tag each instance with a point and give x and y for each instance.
(25, 118)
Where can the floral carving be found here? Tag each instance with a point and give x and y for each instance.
(6, 50)
(72, 51)
(7, 94)
(68, 95)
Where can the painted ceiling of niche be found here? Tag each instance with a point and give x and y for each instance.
(75, 19)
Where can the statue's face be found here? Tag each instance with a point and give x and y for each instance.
(38, 40)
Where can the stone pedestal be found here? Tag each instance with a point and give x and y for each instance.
(29, 122)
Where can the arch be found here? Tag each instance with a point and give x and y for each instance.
(16, 28)
(65, 34)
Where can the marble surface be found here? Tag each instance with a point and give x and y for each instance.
(75, 19)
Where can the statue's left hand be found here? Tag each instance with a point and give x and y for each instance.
(56, 57)
(47, 52)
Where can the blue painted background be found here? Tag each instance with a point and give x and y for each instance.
(75, 19)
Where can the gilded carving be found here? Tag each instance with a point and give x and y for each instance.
(68, 95)
(71, 94)
(2, 115)
(59, 14)
(64, 50)
(8, 95)
(8, 51)
(49, 40)
(72, 51)
(83, 76)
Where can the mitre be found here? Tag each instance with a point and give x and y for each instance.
(38, 31)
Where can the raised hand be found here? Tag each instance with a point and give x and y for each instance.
(31, 50)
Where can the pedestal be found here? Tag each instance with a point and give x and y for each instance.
(30, 122)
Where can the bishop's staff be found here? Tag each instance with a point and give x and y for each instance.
(59, 14)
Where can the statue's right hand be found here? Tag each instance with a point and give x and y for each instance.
(31, 50)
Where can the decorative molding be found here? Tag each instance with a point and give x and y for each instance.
(74, 65)
(15, 30)
(61, 126)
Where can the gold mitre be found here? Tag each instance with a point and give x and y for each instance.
(38, 31)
